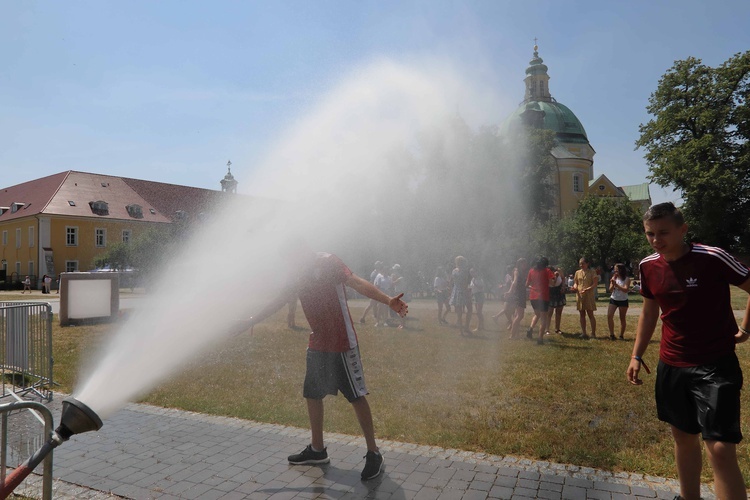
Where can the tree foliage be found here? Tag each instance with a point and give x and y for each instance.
(698, 143)
(604, 230)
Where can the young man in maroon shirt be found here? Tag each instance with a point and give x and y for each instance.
(333, 360)
(699, 378)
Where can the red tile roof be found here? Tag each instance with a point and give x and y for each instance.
(51, 195)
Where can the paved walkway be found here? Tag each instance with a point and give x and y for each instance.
(145, 452)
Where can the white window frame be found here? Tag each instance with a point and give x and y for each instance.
(100, 237)
(71, 266)
(18, 237)
(31, 236)
(126, 235)
(71, 236)
(18, 268)
(5, 238)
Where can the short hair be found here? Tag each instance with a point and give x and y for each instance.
(664, 210)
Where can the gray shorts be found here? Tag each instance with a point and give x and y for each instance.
(331, 372)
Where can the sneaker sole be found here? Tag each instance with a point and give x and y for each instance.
(312, 461)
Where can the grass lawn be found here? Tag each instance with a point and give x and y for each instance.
(567, 401)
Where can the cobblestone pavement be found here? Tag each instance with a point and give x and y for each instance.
(145, 452)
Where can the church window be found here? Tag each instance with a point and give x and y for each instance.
(577, 183)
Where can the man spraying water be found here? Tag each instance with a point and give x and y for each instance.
(333, 358)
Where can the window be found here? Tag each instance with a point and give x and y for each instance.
(135, 211)
(71, 236)
(99, 207)
(100, 237)
(577, 183)
(18, 268)
(18, 237)
(31, 268)
(71, 203)
(31, 236)
(71, 266)
(5, 238)
(126, 235)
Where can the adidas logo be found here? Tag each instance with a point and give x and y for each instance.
(692, 282)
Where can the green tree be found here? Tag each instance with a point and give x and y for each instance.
(698, 143)
(605, 230)
(117, 257)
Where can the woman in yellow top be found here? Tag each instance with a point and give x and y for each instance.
(584, 284)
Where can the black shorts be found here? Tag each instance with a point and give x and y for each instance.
(618, 303)
(331, 372)
(540, 305)
(702, 399)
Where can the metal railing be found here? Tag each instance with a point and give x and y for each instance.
(26, 349)
(44, 415)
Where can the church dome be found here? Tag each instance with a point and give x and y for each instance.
(540, 110)
(556, 117)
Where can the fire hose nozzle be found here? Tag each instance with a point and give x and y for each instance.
(77, 418)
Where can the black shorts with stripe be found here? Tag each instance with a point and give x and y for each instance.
(331, 372)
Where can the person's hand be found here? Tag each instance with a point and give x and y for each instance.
(633, 369)
(398, 305)
(740, 337)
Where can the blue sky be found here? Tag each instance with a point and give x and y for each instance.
(170, 90)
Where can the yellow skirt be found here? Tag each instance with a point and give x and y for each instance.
(586, 301)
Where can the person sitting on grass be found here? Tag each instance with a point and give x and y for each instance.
(333, 358)
(698, 378)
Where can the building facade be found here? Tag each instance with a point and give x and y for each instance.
(63, 222)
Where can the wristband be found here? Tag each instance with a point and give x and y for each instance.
(645, 366)
(744, 332)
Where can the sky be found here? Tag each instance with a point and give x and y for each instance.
(169, 91)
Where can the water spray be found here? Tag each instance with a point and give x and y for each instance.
(76, 418)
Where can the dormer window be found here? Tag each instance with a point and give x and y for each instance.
(99, 207)
(152, 211)
(135, 211)
(3, 210)
(71, 203)
(16, 206)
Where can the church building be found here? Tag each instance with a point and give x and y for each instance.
(573, 176)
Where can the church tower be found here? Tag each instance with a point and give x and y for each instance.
(574, 156)
(228, 183)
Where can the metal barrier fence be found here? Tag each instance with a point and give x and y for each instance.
(26, 349)
(30, 442)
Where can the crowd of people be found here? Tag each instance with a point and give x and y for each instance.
(542, 286)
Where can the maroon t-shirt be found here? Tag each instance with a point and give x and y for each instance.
(698, 324)
(322, 293)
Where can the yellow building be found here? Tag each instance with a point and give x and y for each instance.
(573, 176)
(63, 222)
